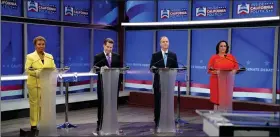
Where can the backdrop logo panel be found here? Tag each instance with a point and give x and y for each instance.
(210, 11)
(255, 8)
(173, 13)
(12, 4)
(34, 6)
(72, 11)
(249, 8)
(11, 7)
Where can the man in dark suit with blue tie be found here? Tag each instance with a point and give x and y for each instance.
(105, 59)
(162, 59)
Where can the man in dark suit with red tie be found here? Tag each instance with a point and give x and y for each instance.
(105, 59)
(162, 59)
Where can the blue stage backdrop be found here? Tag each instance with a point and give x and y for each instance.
(203, 47)
(204, 42)
(43, 9)
(140, 11)
(254, 47)
(209, 10)
(258, 57)
(138, 53)
(99, 36)
(178, 43)
(254, 8)
(52, 36)
(173, 10)
(11, 7)
(77, 11)
(12, 59)
(105, 12)
(77, 56)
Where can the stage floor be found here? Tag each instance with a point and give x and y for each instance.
(134, 121)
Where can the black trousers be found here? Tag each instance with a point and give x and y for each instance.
(157, 105)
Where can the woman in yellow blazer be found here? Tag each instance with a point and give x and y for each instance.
(34, 63)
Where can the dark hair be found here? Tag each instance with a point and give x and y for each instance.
(218, 45)
(38, 38)
(109, 40)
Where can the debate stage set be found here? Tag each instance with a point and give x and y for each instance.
(140, 97)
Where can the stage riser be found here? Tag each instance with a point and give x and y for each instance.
(192, 102)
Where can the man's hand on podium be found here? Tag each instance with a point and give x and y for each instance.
(103, 68)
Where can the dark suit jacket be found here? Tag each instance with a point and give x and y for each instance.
(100, 61)
(157, 61)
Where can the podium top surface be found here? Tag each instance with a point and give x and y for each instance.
(115, 68)
(169, 68)
(241, 118)
(65, 75)
(240, 69)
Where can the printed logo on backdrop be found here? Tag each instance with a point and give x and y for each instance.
(77, 62)
(34, 6)
(11, 4)
(200, 65)
(267, 67)
(173, 13)
(72, 11)
(254, 8)
(13, 64)
(210, 11)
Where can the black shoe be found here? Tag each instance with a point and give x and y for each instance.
(97, 132)
(34, 131)
(156, 124)
(33, 128)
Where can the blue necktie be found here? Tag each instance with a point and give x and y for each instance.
(165, 59)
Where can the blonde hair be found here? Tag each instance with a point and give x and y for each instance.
(38, 38)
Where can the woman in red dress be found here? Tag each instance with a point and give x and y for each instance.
(221, 60)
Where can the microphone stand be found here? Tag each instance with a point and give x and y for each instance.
(66, 124)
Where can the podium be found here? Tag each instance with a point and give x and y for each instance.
(225, 88)
(110, 81)
(48, 82)
(167, 84)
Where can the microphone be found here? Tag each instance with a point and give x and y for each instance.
(175, 61)
(31, 68)
(153, 66)
(97, 63)
(65, 67)
(241, 69)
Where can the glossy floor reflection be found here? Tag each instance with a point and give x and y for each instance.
(134, 121)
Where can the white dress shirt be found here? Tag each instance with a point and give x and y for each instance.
(163, 52)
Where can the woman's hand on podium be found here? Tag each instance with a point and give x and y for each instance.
(216, 72)
(234, 71)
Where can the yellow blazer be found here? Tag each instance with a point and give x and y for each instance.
(33, 60)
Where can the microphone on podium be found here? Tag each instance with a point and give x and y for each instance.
(241, 69)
